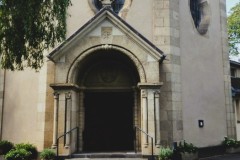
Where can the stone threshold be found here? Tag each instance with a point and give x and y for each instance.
(108, 155)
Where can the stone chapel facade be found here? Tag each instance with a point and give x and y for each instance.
(159, 65)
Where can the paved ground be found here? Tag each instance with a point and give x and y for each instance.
(224, 157)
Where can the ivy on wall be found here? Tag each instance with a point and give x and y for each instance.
(28, 28)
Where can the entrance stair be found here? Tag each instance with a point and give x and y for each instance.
(107, 156)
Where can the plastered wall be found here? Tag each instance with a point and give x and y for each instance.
(202, 78)
(139, 16)
(20, 114)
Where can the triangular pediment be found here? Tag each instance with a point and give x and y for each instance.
(101, 30)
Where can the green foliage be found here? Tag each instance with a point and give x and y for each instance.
(28, 28)
(48, 154)
(28, 147)
(5, 147)
(165, 153)
(234, 30)
(18, 154)
(230, 143)
(186, 147)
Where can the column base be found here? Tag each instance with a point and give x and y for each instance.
(54, 146)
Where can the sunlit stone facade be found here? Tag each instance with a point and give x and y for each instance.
(146, 65)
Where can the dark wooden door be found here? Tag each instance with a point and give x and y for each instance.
(108, 121)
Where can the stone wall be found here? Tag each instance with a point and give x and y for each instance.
(231, 126)
(166, 37)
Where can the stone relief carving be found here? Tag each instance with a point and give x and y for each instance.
(122, 12)
(106, 32)
(108, 74)
(106, 35)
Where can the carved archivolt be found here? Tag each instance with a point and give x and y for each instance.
(72, 73)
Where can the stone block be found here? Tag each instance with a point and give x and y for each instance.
(167, 68)
(177, 105)
(175, 41)
(159, 22)
(167, 87)
(163, 31)
(1, 94)
(177, 135)
(169, 96)
(164, 115)
(166, 4)
(174, 115)
(177, 87)
(164, 135)
(166, 22)
(162, 13)
(158, 5)
(169, 77)
(176, 96)
(165, 125)
(175, 51)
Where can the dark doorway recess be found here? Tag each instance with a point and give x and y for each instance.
(108, 122)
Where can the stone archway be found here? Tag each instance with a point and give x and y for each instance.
(109, 110)
(92, 74)
(124, 46)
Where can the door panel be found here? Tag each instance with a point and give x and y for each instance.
(108, 121)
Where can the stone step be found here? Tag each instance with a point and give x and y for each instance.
(107, 159)
(107, 156)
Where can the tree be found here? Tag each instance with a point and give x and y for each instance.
(28, 28)
(234, 30)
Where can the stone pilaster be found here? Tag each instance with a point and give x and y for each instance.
(150, 115)
(231, 124)
(66, 114)
(55, 120)
(166, 37)
(157, 118)
(68, 110)
(144, 116)
(81, 119)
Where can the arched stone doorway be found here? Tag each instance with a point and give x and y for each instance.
(109, 110)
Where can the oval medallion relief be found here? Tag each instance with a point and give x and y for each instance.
(120, 7)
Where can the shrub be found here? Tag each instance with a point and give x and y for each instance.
(186, 147)
(165, 153)
(47, 154)
(18, 154)
(5, 147)
(229, 143)
(28, 147)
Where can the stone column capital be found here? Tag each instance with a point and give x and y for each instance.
(157, 92)
(68, 95)
(56, 95)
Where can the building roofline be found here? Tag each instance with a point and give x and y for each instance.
(234, 62)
